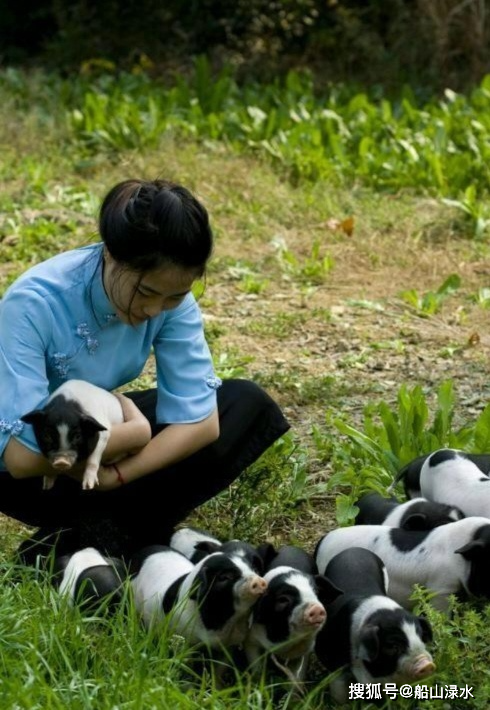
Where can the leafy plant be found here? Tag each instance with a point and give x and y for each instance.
(482, 297)
(369, 458)
(475, 210)
(430, 303)
(312, 270)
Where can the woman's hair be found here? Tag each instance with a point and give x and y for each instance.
(146, 225)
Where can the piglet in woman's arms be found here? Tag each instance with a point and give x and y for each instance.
(74, 426)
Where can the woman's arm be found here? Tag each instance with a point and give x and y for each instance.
(172, 444)
(22, 462)
(130, 436)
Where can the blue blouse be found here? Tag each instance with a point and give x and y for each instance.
(56, 323)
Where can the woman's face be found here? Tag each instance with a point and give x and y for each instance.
(138, 297)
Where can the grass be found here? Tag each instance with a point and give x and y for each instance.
(305, 308)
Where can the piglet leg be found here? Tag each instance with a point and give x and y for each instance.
(48, 482)
(93, 462)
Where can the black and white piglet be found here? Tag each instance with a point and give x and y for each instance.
(415, 514)
(89, 578)
(409, 475)
(287, 619)
(196, 544)
(370, 635)
(450, 476)
(450, 559)
(74, 426)
(193, 543)
(208, 603)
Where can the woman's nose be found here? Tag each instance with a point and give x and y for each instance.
(155, 308)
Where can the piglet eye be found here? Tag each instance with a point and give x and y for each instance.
(282, 603)
(224, 577)
(391, 649)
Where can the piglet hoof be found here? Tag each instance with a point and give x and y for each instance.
(48, 482)
(89, 482)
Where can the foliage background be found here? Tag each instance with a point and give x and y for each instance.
(434, 43)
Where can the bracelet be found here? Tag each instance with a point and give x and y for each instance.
(118, 474)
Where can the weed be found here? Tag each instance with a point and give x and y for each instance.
(312, 270)
(475, 210)
(430, 303)
(482, 297)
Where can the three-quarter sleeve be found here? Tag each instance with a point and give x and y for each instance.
(186, 379)
(25, 327)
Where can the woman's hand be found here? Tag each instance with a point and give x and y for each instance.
(108, 479)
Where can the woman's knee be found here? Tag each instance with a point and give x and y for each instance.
(245, 396)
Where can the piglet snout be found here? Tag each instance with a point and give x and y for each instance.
(254, 587)
(62, 463)
(314, 615)
(423, 666)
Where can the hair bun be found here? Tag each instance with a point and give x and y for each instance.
(137, 210)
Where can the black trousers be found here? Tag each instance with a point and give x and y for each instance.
(146, 511)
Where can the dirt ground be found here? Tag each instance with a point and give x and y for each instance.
(352, 339)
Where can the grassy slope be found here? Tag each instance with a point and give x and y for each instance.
(319, 335)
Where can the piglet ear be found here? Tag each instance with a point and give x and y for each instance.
(199, 583)
(426, 629)
(415, 521)
(91, 425)
(266, 552)
(470, 550)
(369, 643)
(326, 590)
(259, 610)
(37, 415)
(207, 546)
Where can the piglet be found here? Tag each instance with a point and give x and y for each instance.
(415, 514)
(450, 559)
(409, 475)
(89, 578)
(451, 477)
(209, 602)
(287, 619)
(368, 634)
(196, 544)
(74, 426)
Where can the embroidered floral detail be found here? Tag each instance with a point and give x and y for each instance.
(60, 364)
(82, 330)
(91, 342)
(214, 382)
(13, 428)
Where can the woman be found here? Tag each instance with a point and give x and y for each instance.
(95, 314)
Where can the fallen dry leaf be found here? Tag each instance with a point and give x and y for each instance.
(341, 225)
(474, 339)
